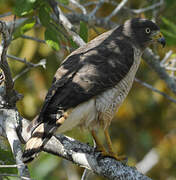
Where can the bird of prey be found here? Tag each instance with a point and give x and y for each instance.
(92, 82)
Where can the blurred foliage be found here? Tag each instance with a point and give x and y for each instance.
(144, 121)
(169, 30)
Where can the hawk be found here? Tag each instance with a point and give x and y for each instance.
(91, 84)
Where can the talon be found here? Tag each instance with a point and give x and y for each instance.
(101, 150)
(110, 153)
(121, 158)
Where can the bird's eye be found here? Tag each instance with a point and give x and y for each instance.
(147, 30)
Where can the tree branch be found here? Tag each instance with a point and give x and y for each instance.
(83, 9)
(149, 8)
(116, 10)
(8, 120)
(154, 62)
(86, 156)
(155, 90)
(61, 18)
(68, 148)
(3, 59)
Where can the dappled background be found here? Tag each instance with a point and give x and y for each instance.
(146, 121)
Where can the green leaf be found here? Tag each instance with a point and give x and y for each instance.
(83, 32)
(73, 44)
(168, 33)
(26, 26)
(51, 38)
(65, 2)
(44, 15)
(23, 7)
(170, 24)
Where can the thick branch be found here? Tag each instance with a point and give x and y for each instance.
(85, 156)
(8, 121)
(3, 59)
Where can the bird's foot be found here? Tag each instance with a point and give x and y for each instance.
(113, 155)
(1, 78)
(122, 158)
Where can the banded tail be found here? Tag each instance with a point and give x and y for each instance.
(40, 136)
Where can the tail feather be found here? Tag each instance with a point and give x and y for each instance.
(39, 138)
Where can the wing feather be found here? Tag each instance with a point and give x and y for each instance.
(88, 72)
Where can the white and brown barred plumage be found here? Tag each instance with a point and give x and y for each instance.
(92, 82)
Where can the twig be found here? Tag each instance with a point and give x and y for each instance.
(135, 11)
(41, 63)
(67, 25)
(86, 174)
(33, 38)
(22, 60)
(21, 73)
(70, 29)
(166, 57)
(29, 64)
(99, 4)
(155, 90)
(90, 3)
(39, 41)
(14, 175)
(170, 68)
(116, 10)
(83, 9)
(101, 22)
(173, 66)
(9, 166)
(154, 62)
(142, 10)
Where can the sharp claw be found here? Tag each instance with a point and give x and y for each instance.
(113, 155)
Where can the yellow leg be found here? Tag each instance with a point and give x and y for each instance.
(108, 141)
(99, 146)
(110, 148)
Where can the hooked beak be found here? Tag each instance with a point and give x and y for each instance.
(158, 37)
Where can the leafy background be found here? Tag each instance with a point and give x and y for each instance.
(145, 120)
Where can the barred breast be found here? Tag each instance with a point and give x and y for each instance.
(99, 111)
(108, 102)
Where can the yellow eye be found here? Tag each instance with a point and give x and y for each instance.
(147, 30)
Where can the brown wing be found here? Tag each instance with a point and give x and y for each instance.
(88, 72)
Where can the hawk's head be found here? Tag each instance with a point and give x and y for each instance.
(143, 32)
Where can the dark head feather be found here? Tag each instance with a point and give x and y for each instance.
(140, 31)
